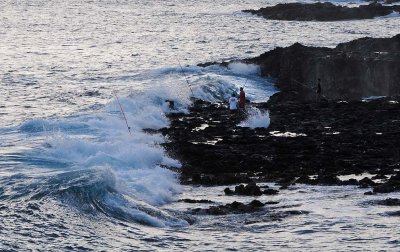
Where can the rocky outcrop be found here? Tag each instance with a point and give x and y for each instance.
(392, 185)
(360, 68)
(232, 208)
(323, 11)
(326, 139)
(250, 190)
(389, 202)
(192, 201)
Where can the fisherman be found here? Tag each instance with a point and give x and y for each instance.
(233, 103)
(318, 91)
(242, 98)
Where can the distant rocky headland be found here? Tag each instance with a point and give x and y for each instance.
(323, 11)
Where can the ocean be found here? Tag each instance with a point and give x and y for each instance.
(72, 177)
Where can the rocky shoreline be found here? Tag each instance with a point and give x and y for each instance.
(350, 71)
(323, 12)
(311, 143)
(307, 141)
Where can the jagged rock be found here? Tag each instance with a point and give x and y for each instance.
(328, 180)
(350, 145)
(388, 187)
(304, 179)
(379, 176)
(249, 190)
(285, 182)
(228, 191)
(256, 203)
(366, 182)
(322, 11)
(270, 192)
(389, 202)
(395, 213)
(195, 201)
(350, 182)
(360, 68)
(232, 208)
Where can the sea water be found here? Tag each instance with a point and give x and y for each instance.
(72, 177)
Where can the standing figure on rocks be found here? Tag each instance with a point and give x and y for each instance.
(318, 91)
(233, 103)
(242, 98)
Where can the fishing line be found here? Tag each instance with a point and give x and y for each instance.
(245, 83)
(186, 78)
(123, 113)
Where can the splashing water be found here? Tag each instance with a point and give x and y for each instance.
(256, 119)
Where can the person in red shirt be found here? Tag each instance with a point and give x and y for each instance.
(242, 98)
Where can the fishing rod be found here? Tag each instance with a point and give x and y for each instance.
(123, 113)
(304, 85)
(186, 78)
(245, 83)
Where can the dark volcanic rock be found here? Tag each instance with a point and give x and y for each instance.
(392, 185)
(322, 11)
(250, 190)
(195, 201)
(360, 68)
(389, 202)
(395, 213)
(366, 182)
(329, 179)
(233, 208)
(340, 138)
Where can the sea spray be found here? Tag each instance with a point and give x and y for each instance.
(256, 119)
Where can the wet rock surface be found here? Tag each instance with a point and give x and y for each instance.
(389, 202)
(323, 11)
(231, 208)
(195, 201)
(250, 190)
(327, 139)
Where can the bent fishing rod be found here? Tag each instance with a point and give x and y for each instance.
(123, 113)
(186, 78)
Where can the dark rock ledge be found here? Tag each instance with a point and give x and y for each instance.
(337, 138)
(323, 11)
(307, 141)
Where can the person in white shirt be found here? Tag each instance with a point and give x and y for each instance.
(233, 103)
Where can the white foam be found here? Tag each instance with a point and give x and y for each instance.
(256, 119)
(246, 69)
(135, 159)
(101, 139)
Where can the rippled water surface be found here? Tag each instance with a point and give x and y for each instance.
(73, 178)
